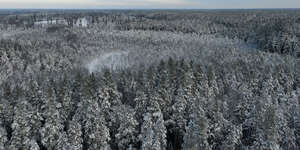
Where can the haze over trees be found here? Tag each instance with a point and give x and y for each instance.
(150, 80)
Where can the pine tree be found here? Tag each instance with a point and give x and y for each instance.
(188, 87)
(286, 136)
(33, 145)
(151, 79)
(66, 102)
(296, 122)
(126, 132)
(108, 99)
(3, 138)
(76, 96)
(26, 122)
(127, 86)
(52, 133)
(75, 135)
(213, 85)
(153, 133)
(196, 134)
(200, 85)
(8, 101)
(96, 133)
(267, 132)
(6, 118)
(147, 133)
(91, 84)
(108, 96)
(172, 75)
(233, 137)
(184, 97)
(141, 102)
(165, 100)
(179, 112)
(267, 89)
(37, 97)
(252, 127)
(271, 129)
(159, 129)
(62, 142)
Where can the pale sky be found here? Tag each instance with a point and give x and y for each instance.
(150, 4)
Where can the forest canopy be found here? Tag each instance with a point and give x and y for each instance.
(150, 80)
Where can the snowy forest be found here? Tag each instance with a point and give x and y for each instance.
(150, 79)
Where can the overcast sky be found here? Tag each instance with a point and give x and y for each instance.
(151, 4)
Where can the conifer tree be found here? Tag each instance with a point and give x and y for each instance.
(159, 129)
(179, 111)
(271, 129)
(75, 135)
(172, 75)
(253, 131)
(296, 121)
(76, 95)
(52, 134)
(213, 85)
(7, 105)
(37, 97)
(147, 133)
(108, 94)
(233, 137)
(26, 122)
(126, 132)
(96, 132)
(67, 104)
(196, 134)
(3, 138)
(154, 126)
(140, 105)
(165, 100)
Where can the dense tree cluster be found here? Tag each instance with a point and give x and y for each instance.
(121, 85)
(174, 105)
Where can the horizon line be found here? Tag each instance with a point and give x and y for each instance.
(140, 8)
